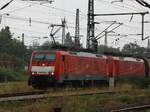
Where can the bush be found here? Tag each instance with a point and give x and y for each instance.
(12, 75)
(142, 82)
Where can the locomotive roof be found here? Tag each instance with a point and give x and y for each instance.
(82, 54)
(43, 51)
(128, 59)
(86, 54)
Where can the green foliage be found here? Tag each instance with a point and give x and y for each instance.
(12, 75)
(11, 49)
(10, 61)
(124, 98)
(133, 48)
(9, 45)
(102, 49)
(68, 41)
(48, 45)
(142, 82)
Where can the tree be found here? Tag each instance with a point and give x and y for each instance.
(35, 45)
(49, 45)
(11, 47)
(133, 48)
(68, 40)
(102, 49)
(5, 39)
(46, 45)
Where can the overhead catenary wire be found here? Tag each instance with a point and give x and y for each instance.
(19, 9)
(27, 19)
(37, 21)
(62, 10)
(143, 3)
(6, 4)
(110, 30)
(67, 13)
(12, 27)
(118, 6)
(40, 5)
(56, 8)
(134, 6)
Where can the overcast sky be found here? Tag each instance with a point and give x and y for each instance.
(44, 15)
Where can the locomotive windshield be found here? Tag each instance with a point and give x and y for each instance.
(44, 57)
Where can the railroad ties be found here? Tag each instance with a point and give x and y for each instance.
(23, 97)
(44, 95)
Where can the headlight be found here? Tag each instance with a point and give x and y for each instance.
(52, 73)
(34, 73)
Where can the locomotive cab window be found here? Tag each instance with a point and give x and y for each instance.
(38, 57)
(50, 57)
(44, 57)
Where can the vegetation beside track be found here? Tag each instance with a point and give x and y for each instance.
(9, 75)
(13, 87)
(90, 103)
(95, 103)
(141, 82)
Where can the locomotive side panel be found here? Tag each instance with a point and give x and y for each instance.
(131, 67)
(58, 68)
(84, 68)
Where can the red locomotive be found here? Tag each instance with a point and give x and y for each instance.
(59, 67)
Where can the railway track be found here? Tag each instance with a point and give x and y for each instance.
(134, 108)
(44, 95)
(21, 93)
(21, 96)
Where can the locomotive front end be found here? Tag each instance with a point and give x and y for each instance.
(42, 68)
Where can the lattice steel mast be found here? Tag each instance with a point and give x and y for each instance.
(77, 30)
(91, 41)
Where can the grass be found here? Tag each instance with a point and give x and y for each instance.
(12, 87)
(94, 103)
(71, 104)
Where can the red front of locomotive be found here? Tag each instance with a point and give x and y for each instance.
(42, 67)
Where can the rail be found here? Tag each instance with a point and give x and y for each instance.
(141, 107)
(44, 95)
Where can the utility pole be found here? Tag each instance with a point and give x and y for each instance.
(77, 30)
(148, 44)
(22, 38)
(91, 41)
(106, 38)
(63, 30)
